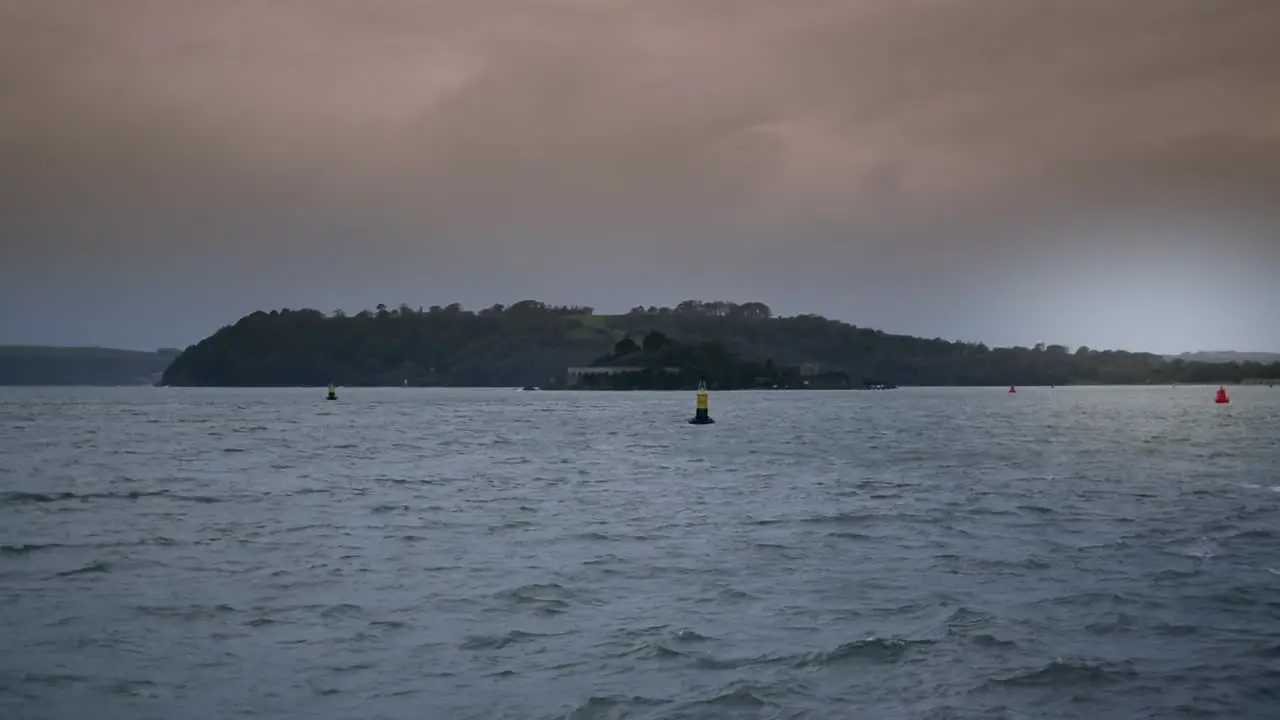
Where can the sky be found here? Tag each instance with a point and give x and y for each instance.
(1083, 172)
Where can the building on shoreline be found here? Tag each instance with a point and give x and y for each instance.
(577, 375)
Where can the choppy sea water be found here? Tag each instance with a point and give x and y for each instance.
(948, 553)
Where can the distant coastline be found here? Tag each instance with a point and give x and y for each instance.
(729, 345)
(1227, 356)
(29, 365)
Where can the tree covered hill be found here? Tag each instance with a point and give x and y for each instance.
(661, 363)
(532, 343)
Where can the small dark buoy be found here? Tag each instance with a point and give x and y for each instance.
(1012, 389)
(701, 415)
(333, 393)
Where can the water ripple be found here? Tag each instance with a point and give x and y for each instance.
(935, 554)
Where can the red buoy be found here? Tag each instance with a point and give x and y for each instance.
(1221, 397)
(1012, 389)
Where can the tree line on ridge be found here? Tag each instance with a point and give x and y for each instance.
(732, 344)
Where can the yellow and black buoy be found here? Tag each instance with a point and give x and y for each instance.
(700, 413)
(333, 392)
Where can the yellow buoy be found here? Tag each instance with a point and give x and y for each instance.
(700, 407)
(333, 392)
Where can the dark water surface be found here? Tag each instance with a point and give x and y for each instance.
(957, 553)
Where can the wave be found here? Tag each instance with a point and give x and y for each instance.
(17, 497)
(91, 568)
(874, 649)
(498, 642)
(612, 707)
(28, 548)
(1067, 674)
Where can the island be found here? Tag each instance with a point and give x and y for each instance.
(729, 345)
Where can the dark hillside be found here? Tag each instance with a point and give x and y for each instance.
(531, 343)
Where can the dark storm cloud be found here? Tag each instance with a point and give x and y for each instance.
(916, 136)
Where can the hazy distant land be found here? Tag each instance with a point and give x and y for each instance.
(52, 365)
(1227, 356)
(731, 345)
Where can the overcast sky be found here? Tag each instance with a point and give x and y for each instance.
(1088, 172)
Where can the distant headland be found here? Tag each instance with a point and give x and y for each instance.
(54, 365)
(730, 345)
(1227, 356)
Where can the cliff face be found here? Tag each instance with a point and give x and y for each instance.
(531, 343)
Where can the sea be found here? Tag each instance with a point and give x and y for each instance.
(1085, 552)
